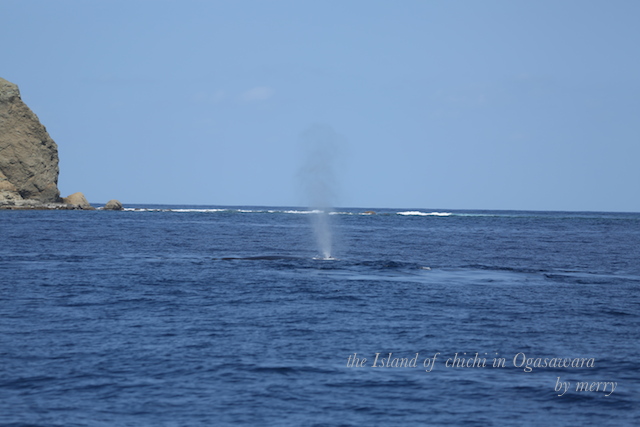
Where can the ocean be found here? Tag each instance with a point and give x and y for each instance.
(203, 316)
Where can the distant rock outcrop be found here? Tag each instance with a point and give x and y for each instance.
(113, 205)
(77, 200)
(28, 155)
(29, 159)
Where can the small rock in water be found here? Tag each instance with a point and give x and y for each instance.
(113, 205)
(78, 200)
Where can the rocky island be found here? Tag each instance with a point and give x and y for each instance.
(28, 159)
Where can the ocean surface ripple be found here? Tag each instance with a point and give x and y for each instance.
(198, 316)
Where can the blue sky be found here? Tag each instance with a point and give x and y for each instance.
(438, 104)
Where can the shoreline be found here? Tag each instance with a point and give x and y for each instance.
(45, 207)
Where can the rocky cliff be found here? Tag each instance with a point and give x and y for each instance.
(28, 155)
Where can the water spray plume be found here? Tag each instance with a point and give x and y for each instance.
(317, 176)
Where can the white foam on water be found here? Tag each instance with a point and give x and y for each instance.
(187, 210)
(197, 210)
(298, 212)
(173, 210)
(326, 258)
(418, 213)
(319, 212)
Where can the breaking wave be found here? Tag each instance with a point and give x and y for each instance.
(419, 213)
(384, 212)
(280, 211)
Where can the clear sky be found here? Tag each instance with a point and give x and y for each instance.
(437, 104)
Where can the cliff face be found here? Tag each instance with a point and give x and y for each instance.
(28, 155)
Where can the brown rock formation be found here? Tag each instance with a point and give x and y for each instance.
(77, 200)
(113, 205)
(28, 155)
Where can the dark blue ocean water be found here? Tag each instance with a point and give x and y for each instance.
(161, 317)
